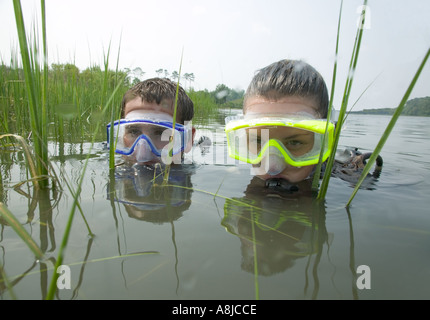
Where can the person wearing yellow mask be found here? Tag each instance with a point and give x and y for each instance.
(283, 128)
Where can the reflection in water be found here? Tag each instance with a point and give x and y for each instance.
(146, 197)
(276, 227)
(140, 189)
(46, 200)
(282, 239)
(39, 198)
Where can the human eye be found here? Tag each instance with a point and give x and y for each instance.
(162, 131)
(160, 134)
(133, 131)
(294, 144)
(298, 146)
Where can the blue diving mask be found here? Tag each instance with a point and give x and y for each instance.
(149, 136)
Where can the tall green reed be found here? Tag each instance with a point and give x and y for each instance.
(317, 174)
(342, 113)
(175, 108)
(19, 229)
(115, 115)
(44, 115)
(36, 90)
(347, 91)
(388, 130)
(76, 194)
(37, 83)
(28, 155)
(204, 105)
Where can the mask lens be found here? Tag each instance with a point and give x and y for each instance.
(298, 143)
(147, 135)
(158, 135)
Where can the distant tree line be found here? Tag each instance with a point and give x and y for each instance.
(88, 88)
(228, 97)
(221, 96)
(413, 107)
(417, 107)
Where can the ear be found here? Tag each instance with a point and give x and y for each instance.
(190, 141)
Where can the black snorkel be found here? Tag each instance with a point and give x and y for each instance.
(281, 185)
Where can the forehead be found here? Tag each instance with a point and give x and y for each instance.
(285, 105)
(166, 106)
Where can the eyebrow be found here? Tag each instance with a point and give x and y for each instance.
(298, 135)
(305, 133)
(133, 125)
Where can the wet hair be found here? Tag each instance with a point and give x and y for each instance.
(289, 78)
(159, 89)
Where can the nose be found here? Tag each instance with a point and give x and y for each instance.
(143, 152)
(273, 162)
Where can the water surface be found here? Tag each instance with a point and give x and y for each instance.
(215, 234)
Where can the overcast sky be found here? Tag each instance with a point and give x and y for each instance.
(226, 41)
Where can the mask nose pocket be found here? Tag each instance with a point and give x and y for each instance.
(142, 151)
(273, 162)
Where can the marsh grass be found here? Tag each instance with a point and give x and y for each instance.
(315, 182)
(254, 249)
(347, 91)
(28, 156)
(75, 204)
(343, 113)
(9, 217)
(113, 114)
(77, 108)
(204, 104)
(389, 128)
(170, 156)
(36, 91)
(63, 105)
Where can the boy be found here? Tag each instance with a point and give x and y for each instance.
(146, 124)
(285, 109)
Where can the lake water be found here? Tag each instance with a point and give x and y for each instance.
(216, 234)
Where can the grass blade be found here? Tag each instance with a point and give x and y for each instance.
(317, 174)
(353, 64)
(28, 156)
(60, 257)
(44, 117)
(6, 284)
(114, 116)
(167, 170)
(33, 91)
(7, 215)
(389, 128)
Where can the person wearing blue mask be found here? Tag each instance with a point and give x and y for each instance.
(146, 133)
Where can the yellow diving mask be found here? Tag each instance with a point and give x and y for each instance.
(296, 139)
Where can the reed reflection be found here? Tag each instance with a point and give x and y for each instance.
(141, 191)
(146, 197)
(276, 226)
(41, 204)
